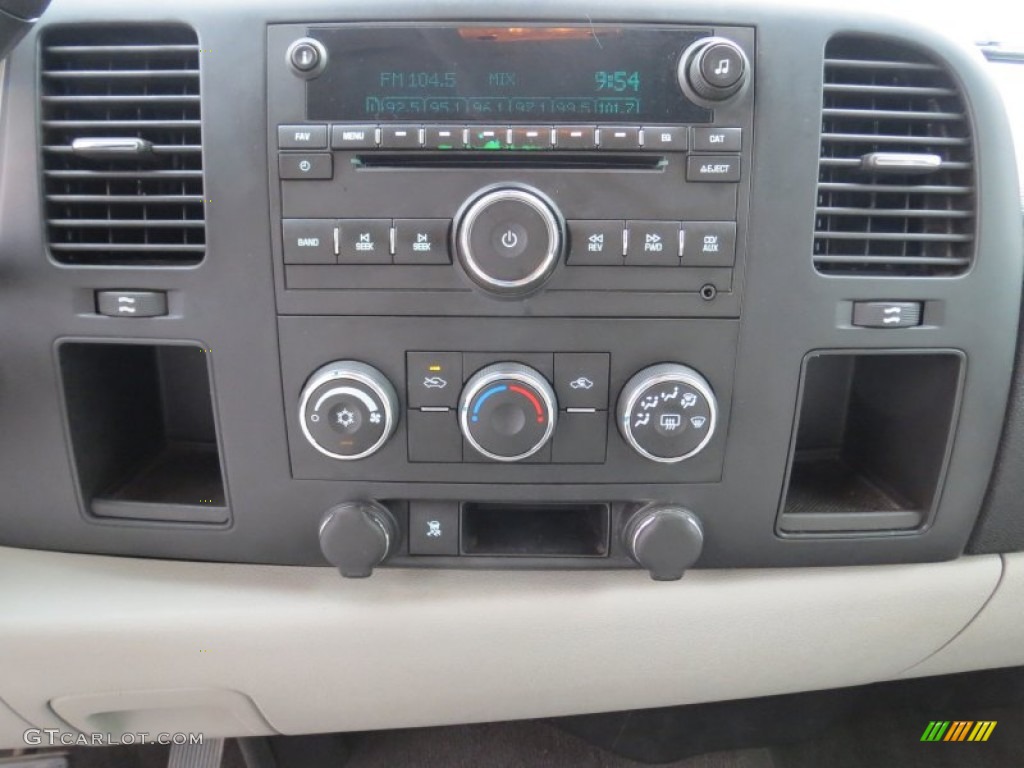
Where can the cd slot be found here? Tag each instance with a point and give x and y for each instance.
(489, 159)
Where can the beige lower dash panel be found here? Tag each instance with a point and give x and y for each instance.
(316, 653)
(995, 638)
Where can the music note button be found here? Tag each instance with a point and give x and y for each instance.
(722, 65)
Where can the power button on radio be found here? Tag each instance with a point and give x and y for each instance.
(509, 241)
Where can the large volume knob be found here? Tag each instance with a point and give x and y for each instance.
(713, 69)
(357, 536)
(507, 411)
(348, 410)
(667, 412)
(509, 240)
(666, 539)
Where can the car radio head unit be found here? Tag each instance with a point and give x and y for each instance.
(514, 74)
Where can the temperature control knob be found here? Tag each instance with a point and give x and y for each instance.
(667, 412)
(507, 411)
(713, 69)
(509, 240)
(348, 410)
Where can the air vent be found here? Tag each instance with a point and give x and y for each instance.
(896, 172)
(122, 148)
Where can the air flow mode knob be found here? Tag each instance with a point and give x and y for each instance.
(667, 413)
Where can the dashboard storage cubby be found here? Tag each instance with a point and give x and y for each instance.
(872, 439)
(142, 430)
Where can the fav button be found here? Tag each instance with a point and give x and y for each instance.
(302, 136)
(434, 379)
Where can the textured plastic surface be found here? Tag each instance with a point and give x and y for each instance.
(228, 305)
(211, 711)
(315, 653)
(995, 638)
(1000, 525)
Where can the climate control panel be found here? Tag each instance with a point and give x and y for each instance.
(507, 400)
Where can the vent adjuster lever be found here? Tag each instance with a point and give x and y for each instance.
(112, 148)
(900, 162)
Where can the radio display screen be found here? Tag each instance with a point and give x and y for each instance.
(487, 74)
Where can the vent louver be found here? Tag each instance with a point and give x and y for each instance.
(122, 149)
(896, 174)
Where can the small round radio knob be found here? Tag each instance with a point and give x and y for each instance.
(509, 240)
(667, 412)
(713, 69)
(357, 536)
(507, 411)
(666, 539)
(348, 410)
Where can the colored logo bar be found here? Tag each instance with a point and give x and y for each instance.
(958, 730)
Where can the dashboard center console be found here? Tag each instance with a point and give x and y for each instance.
(541, 173)
(542, 291)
